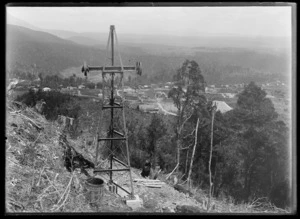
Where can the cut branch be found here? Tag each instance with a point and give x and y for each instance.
(186, 147)
(210, 156)
(172, 171)
(67, 191)
(189, 134)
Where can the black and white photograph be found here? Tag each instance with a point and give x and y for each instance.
(150, 108)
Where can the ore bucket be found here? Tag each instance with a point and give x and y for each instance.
(95, 187)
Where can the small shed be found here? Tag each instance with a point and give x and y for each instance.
(81, 86)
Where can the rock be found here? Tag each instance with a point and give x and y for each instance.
(168, 210)
(151, 203)
(201, 201)
(180, 188)
(188, 209)
(135, 203)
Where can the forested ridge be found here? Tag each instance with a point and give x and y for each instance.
(52, 55)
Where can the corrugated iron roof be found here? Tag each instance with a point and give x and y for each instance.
(222, 106)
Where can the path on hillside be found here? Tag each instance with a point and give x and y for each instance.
(118, 94)
(79, 94)
(165, 111)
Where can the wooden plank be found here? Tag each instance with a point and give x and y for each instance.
(156, 183)
(152, 180)
(107, 170)
(145, 184)
(150, 184)
(154, 186)
(147, 180)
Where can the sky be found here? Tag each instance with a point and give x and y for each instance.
(180, 21)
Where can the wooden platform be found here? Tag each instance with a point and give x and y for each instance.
(152, 183)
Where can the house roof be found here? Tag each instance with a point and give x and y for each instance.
(222, 106)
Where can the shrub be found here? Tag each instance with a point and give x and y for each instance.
(56, 103)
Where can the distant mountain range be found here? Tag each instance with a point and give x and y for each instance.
(213, 41)
(56, 51)
(16, 21)
(83, 40)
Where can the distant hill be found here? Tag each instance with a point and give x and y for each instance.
(65, 34)
(53, 54)
(15, 33)
(16, 21)
(83, 40)
(229, 65)
(92, 40)
(258, 43)
(47, 51)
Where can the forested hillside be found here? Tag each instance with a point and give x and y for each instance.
(239, 65)
(53, 55)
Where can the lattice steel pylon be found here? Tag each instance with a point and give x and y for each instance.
(112, 134)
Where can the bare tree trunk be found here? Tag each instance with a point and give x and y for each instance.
(154, 154)
(140, 154)
(215, 174)
(172, 171)
(178, 151)
(178, 154)
(178, 148)
(210, 156)
(186, 162)
(193, 154)
(178, 141)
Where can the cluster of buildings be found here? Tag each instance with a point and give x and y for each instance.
(275, 83)
(146, 97)
(154, 98)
